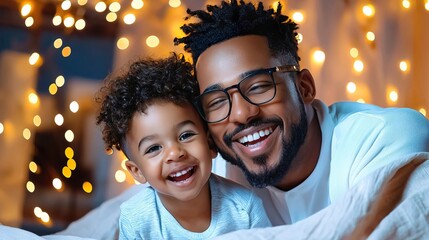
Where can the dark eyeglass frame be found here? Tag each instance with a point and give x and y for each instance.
(270, 71)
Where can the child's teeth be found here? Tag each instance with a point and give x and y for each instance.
(180, 173)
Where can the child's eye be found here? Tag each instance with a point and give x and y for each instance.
(153, 149)
(186, 135)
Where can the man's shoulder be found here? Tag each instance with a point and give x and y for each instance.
(354, 111)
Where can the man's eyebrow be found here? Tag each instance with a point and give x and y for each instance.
(241, 77)
(249, 73)
(212, 88)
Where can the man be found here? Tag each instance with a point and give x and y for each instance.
(264, 117)
(323, 166)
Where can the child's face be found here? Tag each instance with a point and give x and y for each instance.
(169, 149)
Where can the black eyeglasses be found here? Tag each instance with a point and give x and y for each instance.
(257, 87)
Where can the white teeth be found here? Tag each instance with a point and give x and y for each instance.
(255, 135)
(180, 173)
(267, 132)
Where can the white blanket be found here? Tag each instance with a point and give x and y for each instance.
(409, 220)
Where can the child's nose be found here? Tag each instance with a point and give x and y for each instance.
(175, 153)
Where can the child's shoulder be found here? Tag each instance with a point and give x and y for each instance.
(230, 188)
(147, 193)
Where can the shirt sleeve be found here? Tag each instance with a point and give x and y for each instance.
(125, 228)
(258, 216)
(367, 141)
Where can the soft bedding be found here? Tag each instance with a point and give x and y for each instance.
(409, 220)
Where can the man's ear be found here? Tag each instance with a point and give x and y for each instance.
(135, 171)
(306, 86)
(212, 146)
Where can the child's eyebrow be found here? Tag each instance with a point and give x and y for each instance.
(147, 138)
(184, 123)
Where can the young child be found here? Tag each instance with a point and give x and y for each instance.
(147, 113)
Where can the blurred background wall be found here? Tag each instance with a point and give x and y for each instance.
(54, 55)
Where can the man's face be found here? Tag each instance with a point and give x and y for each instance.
(262, 140)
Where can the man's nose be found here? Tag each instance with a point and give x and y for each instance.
(242, 111)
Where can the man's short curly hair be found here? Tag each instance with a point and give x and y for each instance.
(146, 81)
(233, 19)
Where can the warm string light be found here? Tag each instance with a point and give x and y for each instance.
(29, 22)
(120, 176)
(87, 187)
(60, 81)
(57, 183)
(59, 119)
(174, 3)
(33, 98)
(404, 66)
(30, 186)
(368, 10)
(100, 6)
(66, 5)
(42, 215)
(74, 107)
(69, 136)
(26, 133)
(406, 4)
(114, 7)
(351, 87)
(319, 56)
(122, 43)
(370, 36)
(129, 18)
(1, 128)
(111, 17)
(26, 9)
(53, 89)
(298, 17)
(137, 4)
(152, 41)
(34, 58)
(37, 121)
(358, 66)
(33, 167)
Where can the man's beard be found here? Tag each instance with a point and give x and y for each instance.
(271, 175)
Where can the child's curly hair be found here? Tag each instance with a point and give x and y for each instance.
(147, 80)
(233, 19)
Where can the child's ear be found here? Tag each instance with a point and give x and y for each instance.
(135, 171)
(212, 146)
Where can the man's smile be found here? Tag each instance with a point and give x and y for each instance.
(253, 138)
